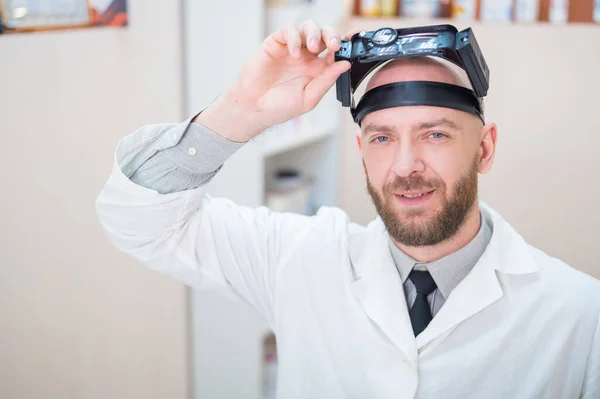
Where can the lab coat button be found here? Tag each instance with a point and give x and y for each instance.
(192, 151)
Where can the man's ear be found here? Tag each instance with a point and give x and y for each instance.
(487, 147)
(358, 141)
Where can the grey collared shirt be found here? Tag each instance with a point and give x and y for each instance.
(448, 271)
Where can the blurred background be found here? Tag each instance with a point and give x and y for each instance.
(78, 319)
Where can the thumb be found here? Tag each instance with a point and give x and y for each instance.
(316, 88)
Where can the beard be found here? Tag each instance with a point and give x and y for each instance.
(440, 227)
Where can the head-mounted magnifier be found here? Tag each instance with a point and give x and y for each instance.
(368, 50)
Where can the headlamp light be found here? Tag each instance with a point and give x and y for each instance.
(368, 50)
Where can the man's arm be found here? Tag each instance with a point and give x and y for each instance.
(204, 242)
(154, 208)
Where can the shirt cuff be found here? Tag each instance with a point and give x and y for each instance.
(200, 150)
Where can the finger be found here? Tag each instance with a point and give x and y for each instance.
(331, 38)
(316, 88)
(330, 41)
(288, 36)
(293, 41)
(351, 33)
(329, 55)
(310, 32)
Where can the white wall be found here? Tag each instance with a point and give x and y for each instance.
(543, 95)
(79, 319)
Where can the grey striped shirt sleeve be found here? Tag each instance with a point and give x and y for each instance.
(189, 164)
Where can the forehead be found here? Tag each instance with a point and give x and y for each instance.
(411, 118)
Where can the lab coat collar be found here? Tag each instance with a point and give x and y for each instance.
(378, 287)
(508, 252)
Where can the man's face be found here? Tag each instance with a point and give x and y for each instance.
(421, 162)
(421, 165)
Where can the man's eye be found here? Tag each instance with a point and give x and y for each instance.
(381, 139)
(437, 135)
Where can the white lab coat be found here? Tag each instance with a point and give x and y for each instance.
(521, 324)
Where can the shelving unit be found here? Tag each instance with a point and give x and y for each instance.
(227, 336)
(534, 11)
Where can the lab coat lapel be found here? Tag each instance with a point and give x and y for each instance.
(378, 287)
(507, 253)
(477, 291)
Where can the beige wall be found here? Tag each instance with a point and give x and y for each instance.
(543, 96)
(78, 318)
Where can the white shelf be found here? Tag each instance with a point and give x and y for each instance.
(372, 23)
(275, 142)
(319, 124)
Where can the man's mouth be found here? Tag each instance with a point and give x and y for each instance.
(414, 197)
(414, 194)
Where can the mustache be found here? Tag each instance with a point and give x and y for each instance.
(411, 183)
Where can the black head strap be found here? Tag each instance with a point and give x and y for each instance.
(413, 93)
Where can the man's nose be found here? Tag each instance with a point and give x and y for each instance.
(408, 161)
